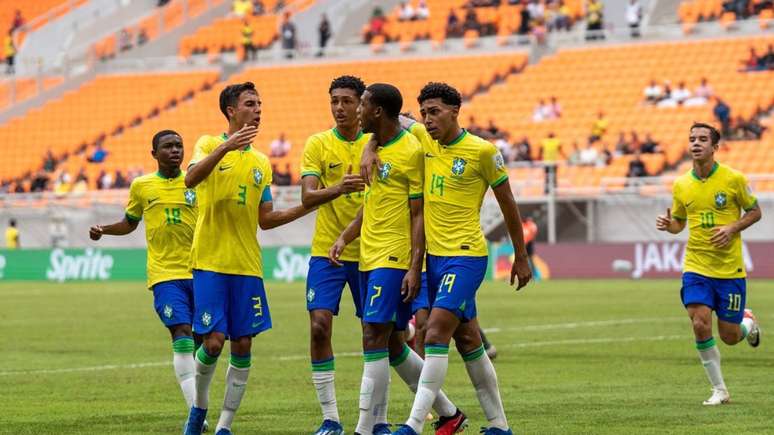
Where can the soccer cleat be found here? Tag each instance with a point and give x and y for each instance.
(223, 431)
(491, 352)
(719, 397)
(405, 429)
(330, 427)
(205, 427)
(381, 429)
(451, 425)
(754, 335)
(195, 423)
(495, 431)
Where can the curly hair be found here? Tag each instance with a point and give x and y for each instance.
(348, 82)
(229, 96)
(446, 93)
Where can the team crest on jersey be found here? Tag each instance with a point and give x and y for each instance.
(168, 311)
(257, 176)
(458, 166)
(190, 196)
(720, 199)
(385, 171)
(310, 295)
(499, 162)
(206, 319)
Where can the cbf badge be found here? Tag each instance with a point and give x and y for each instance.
(190, 197)
(458, 166)
(720, 199)
(257, 177)
(385, 171)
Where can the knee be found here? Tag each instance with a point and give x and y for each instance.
(729, 337)
(373, 337)
(702, 326)
(241, 345)
(320, 331)
(213, 346)
(467, 341)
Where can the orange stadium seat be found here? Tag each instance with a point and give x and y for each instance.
(30, 10)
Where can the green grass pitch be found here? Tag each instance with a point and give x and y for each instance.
(575, 357)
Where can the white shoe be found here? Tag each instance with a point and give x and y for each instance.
(719, 397)
(754, 335)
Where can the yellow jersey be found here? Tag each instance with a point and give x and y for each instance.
(11, 238)
(551, 148)
(457, 176)
(716, 201)
(226, 236)
(385, 236)
(328, 156)
(170, 211)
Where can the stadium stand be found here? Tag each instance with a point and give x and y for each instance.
(726, 12)
(23, 88)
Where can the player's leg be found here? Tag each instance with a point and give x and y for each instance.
(420, 307)
(248, 315)
(324, 286)
(491, 351)
(735, 323)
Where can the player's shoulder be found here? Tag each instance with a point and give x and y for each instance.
(478, 143)
(144, 180)
(207, 141)
(322, 137)
(260, 157)
(729, 173)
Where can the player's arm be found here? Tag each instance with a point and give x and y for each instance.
(413, 279)
(269, 218)
(199, 171)
(120, 228)
(722, 235)
(667, 222)
(369, 160)
(520, 268)
(350, 233)
(312, 196)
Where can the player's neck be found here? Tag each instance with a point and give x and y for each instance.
(169, 171)
(451, 136)
(702, 169)
(349, 132)
(387, 132)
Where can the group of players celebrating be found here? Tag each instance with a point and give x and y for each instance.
(398, 221)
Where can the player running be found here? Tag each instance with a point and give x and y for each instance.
(328, 183)
(709, 199)
(232, 182)
(170, 211)
(459, 168)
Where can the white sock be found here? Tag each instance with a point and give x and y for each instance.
(205, 369)
(380, 411)
(746, 327)
(323, 374)
(236, 381)
(482, 374)
(710, 359)
(409, 367)
(185, 370)
(430, 382)
(376, 378)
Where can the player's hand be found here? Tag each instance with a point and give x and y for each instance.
(521, 270)
(351, 183)
(95, 232)
(409, 288)
(722, 236)
(242, 138)
(664, 221)
(369, 161)
(335, 252)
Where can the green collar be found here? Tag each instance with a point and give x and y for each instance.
(338, 135)
(225, 138)
(712, 171)
(395, 139)
(458, 138)
(160, 175)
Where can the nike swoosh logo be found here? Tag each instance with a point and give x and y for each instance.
(255, 325)
(223, 168)
(428, 155)
(688, 204)
(442, 297)
(150, 201)
(334, 165)
(371, 313)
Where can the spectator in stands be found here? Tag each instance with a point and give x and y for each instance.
(634, 142)
(12, 236)
(104, 180)
(453, 27)
(505, 147)
(636, 167)
(541, 112)
(81, 182)
(599, 127)
(406, 12)
(9, 50)
(17, 22)
(753, 62)
(594, 20)
(241, 8)
(760, 5)
(704, 90)
(39, 182)
(574, 158)
(49, 162)
(652, 92)
(375, 25)
(281, 178)
(161, 3)
(622, 145)
(258, 8)
(98, 155)
(589, 156)
(555, 109)
(539, 31)
(19, 187)
(288, 35)
(550, 153)
(522, 151)
(722, 113)
(124, 40)
(142, 37)
(746, 130)
(681, 94)
(536, 10)
(633, 17)
(251, 51)
(473, 127)
(767, 60)
(524, 24)
(324, 34)
(423, 12)
(471, 21)
(280, 147)
(279, 6)
(650, 146)
(121, 181)
(493, 129)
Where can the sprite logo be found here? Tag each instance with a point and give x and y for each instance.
(291, 266)
(91, 265)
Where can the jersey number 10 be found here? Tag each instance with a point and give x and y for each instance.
(707, 219)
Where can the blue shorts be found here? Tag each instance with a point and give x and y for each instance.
(453, 282)
(174, 301)
(383, 302)
(325, 284)
(234, 305)
(421, 302)
(726, 296)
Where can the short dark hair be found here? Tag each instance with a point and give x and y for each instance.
(157, 137)
(446, 93)
(387, 97)
(348, 82)
(714, 133)
(229, 96)
(12, 222)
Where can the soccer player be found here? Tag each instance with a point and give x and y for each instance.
(709, 199)
(170, 211)
(328, 183)
(232, 182)
(391, 254)
(459, 168)
(12, 235)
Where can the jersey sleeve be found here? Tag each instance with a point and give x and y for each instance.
(416, 173)
(267, 180)
(493, 166)
(134, 207)
(202, 148)
(678, 205)
(420, 132)
(311, 162)
(747, 201)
